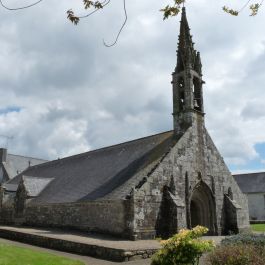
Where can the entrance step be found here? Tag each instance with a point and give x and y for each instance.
(98, 246)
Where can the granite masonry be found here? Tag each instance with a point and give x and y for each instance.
(140, 189)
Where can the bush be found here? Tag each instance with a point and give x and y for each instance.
(245, 239)
(184, 248)
(236, 255)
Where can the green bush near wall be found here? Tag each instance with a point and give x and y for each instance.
(241, 249)
(184, 248)
(236, 255)
(245, 239)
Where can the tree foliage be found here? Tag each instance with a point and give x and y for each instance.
(168, 11)
(171, 10)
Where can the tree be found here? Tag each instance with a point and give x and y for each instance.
(168, 11)
(93, 6)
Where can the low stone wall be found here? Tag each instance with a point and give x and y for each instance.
(94, 250)
(257, 222)
(108, 216)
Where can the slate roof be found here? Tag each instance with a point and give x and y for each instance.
(251, 182)
(34, 186)
(94, 174)
(10, 187)
(15, 164)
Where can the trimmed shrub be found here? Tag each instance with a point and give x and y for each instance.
(245, 239)
(236, 255)
(184, 248)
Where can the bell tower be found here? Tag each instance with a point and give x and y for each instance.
(187, 81)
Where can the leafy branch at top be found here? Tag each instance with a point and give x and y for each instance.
(96, 5)
(173, 10)
(254, 8)
(168, 11)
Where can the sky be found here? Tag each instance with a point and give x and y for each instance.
(62, 92)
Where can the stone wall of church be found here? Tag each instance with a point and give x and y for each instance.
(224, 183)
(193, 159)
(108, 216)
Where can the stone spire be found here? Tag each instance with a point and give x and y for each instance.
(185, 53)
(187, 80)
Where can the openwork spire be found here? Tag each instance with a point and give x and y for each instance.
(186, 53)
(187, 81)
(185, 39)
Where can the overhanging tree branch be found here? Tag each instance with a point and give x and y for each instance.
(254, 8)
(123, 25)
(19, 8)
(168, 11)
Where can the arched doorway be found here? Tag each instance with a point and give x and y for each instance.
(202, 208)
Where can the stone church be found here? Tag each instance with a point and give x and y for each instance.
(140, 189)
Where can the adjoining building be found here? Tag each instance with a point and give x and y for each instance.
(12, 165)
(253, 186)
(144, 188)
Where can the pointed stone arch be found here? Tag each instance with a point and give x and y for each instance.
(202, 208)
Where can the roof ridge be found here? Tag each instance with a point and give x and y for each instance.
(257, 172)
(93, 151)
(26, 176)
(29, 157)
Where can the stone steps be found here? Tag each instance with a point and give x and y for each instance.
(82, 244)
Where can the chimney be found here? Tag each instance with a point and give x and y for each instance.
(3, 154)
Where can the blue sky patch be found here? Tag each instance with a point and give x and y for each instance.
(253, 165)
(10, 109)
(260, 148)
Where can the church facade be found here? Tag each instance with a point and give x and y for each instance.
(140, 189)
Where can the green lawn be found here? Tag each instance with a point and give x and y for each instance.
(12, 255)
(258, 227)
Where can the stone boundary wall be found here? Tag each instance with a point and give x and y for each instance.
(106, 216)
(257, 222)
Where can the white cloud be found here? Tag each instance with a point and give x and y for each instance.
(75, 94)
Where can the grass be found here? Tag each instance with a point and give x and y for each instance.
(13, 255)
(258, 227)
